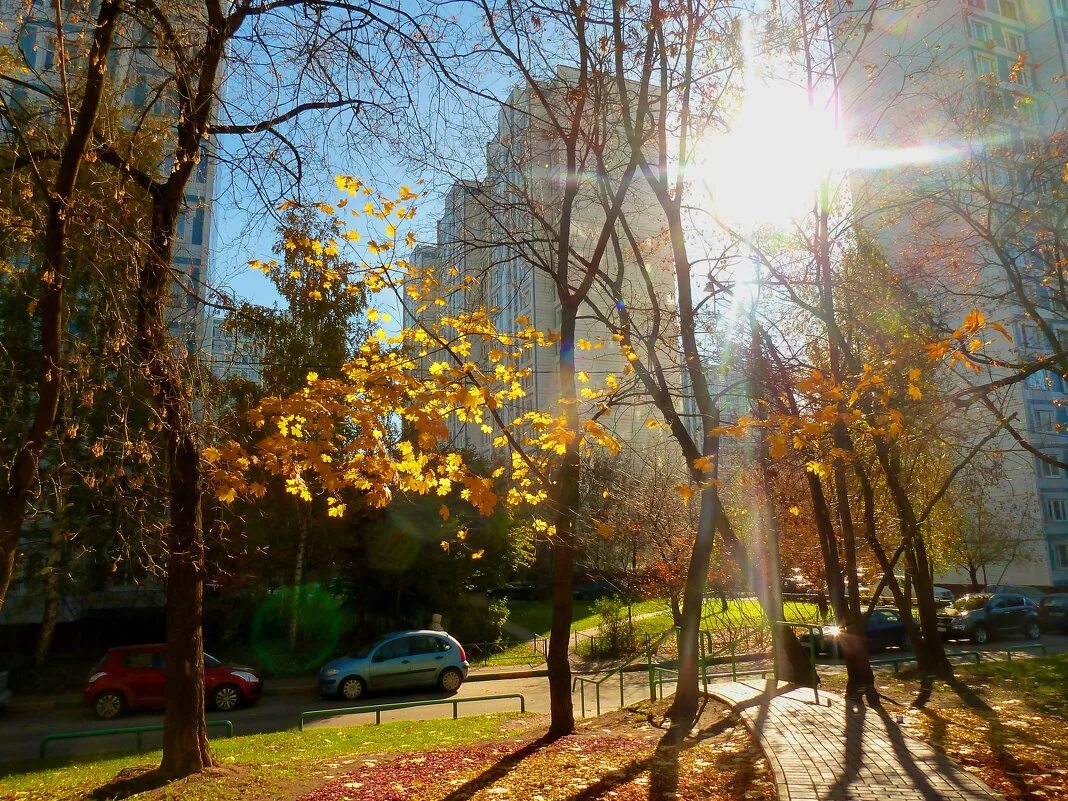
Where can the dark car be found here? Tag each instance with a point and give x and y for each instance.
(980, 616)
(135, 677)
(1053, 613)
(885, 630)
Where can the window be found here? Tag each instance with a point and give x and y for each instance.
(1062, 26)
(137, 660)
(1061, 550)
(1045, 422)
(1026, 113)
(1008, 9)
(1021, 76)
(980, 4)
(428, 644)
(1044, 380)
(980, 31)
(1061, 6)
(1049, 470)
(1013, 41)
(986, 65)
(1057, 510)
(393, 649)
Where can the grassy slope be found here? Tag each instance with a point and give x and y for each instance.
(253, 767)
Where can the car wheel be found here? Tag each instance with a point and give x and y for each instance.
(450, 680)
(351, 688)
(1032, 631)
(226, 697)
(980, 635)
(108, 705)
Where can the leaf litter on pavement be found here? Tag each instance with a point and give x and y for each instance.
(622, 756)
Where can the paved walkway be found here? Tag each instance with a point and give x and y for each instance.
(834, 753)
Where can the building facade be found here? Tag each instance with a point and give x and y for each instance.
(495, 248)
(232, 353)
(985, 81)
(29, 33)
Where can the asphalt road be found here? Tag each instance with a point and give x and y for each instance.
(21, 730)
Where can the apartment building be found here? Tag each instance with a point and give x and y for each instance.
(497, 238)
(986, 83)
(28, 31)
(232, 353)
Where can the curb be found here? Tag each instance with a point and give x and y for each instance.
(44, 705)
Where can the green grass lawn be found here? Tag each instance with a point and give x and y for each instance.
(536, 616)
(279, 765)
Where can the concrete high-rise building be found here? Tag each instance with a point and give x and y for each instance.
(495, 249)
(232, 353)
(29, 32)
(986, 81)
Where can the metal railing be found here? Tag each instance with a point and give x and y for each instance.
(484, 652)
(378, 709)
(1034, 646)
(140, 731)
(812, 631)
(582, 681)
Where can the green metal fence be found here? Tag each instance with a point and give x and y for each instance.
(378, 709)
(140, 731)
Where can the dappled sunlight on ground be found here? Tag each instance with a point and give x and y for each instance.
(621, 756)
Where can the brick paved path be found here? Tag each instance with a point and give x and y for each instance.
(821, 753)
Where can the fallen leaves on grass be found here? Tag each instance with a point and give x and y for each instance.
(625, 762)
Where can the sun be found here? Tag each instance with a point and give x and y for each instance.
(778, 150)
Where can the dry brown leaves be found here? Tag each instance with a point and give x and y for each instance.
(622, 757)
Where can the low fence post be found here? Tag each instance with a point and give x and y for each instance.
(652, 677)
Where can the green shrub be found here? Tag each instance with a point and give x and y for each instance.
(615, 632)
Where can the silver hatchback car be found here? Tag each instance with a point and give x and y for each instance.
(398, 660)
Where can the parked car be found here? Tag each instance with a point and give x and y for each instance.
(885, 630)
(980, 616)
(400, 659)
(1053, 613)
(1032, 593)
(942, 596)
(135, 677)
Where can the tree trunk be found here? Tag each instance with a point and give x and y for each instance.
(683, 710)
(23, 469)
(185, 736)
(298, 578)
(566, 490)
(930, 652)
(973, 576)
(185, 733)
(52, 596)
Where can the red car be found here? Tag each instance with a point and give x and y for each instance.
(135, 677)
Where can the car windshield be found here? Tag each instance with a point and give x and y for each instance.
(211, 661)
(969, 603)
(1055, 600)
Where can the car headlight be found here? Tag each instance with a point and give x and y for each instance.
(330, 672)
(251, 678)
(831, 631)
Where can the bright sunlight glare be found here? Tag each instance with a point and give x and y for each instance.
(766, 169)
(781, 146)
